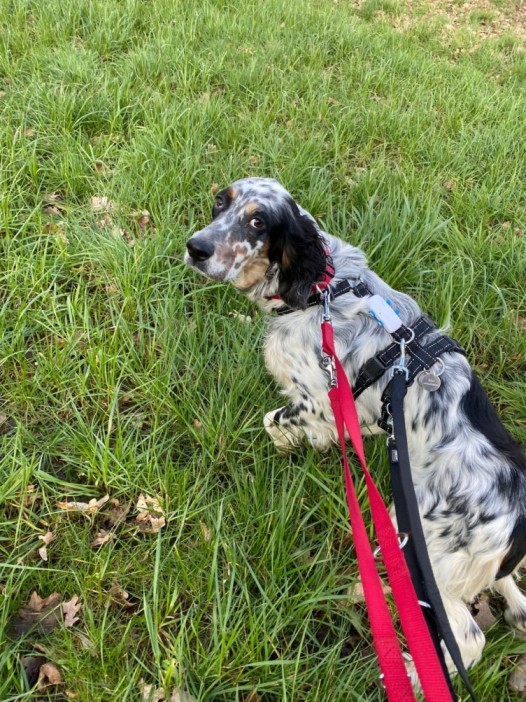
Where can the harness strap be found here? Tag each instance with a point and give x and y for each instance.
(422, 357)
(408, 521)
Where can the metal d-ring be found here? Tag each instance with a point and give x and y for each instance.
(403, 538)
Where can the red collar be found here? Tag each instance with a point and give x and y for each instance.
(328, 275)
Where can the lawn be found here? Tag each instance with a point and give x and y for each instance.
(217, 566)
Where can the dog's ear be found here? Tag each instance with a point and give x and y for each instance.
(297, 248)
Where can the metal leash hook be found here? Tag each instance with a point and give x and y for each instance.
(401, 366)
(327, 362)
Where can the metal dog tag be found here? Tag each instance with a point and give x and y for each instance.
(429, 381)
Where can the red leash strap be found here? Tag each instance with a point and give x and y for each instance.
(396, 680)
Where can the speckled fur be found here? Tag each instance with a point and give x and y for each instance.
(469, 474)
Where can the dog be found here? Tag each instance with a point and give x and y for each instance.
(468, 471)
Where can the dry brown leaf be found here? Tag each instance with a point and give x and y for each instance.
(47, 538)
(517, 680)
(180, 695)
(116, 513)
(52, 210)
(151, 516)
(91, 507)
(150, 693)
(484, 616)
(102, 538)
(214, 188)
(70, 610)
(102, 204)
(121, 597)
(31, 666)
(143, 218)
(41, 614)
(49, 675)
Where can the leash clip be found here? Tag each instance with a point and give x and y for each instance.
(401, 366)
(324, 293)
(329, 366)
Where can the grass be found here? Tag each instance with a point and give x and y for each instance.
(122, 373)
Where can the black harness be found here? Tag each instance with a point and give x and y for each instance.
(422, 357)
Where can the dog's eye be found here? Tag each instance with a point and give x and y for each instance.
(219, 202)
(257, 223)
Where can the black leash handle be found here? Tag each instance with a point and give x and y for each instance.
(408, 515)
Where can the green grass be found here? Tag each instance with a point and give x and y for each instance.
(121, 372)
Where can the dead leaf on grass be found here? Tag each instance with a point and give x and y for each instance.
(49, 676)
(102, 538)
(484, 616)
(44, 614)
(179, 695)
(102, 204)
(88, 508)
(151, 515)
(152, 694)
(517, 680)
(214, 188)
(47, 538)
(116, 513)
(70, 610)
(121, 597)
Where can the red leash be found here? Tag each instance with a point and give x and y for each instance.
(396, 680)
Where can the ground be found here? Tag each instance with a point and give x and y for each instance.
(172, 551)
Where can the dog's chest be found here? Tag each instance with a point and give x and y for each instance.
(292, 357)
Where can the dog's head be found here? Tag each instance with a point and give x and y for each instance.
(259, 238)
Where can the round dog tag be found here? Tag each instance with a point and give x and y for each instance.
(429, 381)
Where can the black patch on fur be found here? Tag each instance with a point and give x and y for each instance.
(511, 483)
(517, 549)
(484, 418)
(296, 246)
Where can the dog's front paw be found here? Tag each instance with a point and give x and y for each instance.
(284, 438)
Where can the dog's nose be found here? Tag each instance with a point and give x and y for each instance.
(199, 249)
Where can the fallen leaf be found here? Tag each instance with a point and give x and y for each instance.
(70, 610)
(91, 507)
(214, 188)
(151, 516)
(150, 693)
(40, 614)
(52, 210)
(517, 680)
(180, 695)
(211, 148)
(102, 538)
(116, 513)
(254, 160)
(143, 218)
(48, 676)
(484, 616)
(102, 204)
(47, 538)
(31, 666)
(121, 597)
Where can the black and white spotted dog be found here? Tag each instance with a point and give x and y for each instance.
(469, 473)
